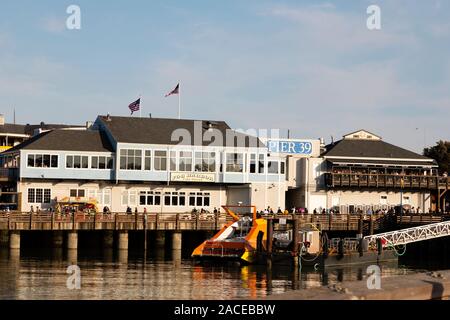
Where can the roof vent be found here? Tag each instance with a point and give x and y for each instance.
(108, 117)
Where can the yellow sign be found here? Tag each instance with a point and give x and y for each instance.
(193, 176)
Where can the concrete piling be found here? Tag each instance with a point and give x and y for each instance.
(123, 240)
(72, 240)
(176, 240)
(14, 240)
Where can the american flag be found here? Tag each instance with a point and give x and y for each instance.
(135, 106)
(174, 91)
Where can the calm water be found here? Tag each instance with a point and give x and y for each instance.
(42, 275)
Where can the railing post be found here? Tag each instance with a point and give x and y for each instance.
(95, 221)
(73, 220)
(330, 221)
(31, 220)
(348, 221)
(196, 220)
(53, 220)
(177, 221)
(115, 220)
(157, 221)
(136, 220)
(216, 216)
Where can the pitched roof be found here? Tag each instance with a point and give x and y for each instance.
(353, 148)
(12, 128)
(160, 131)
(67, 140)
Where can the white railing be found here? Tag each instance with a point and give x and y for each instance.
(415, 234)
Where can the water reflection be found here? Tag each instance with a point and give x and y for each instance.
(120, 274)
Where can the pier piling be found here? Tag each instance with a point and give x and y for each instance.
(72, 240)
(58, 239)
(108, 239)
(14, 240)
(176, 240)
(4, 238)
(123, 240)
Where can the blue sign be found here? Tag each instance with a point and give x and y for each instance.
(292, 147)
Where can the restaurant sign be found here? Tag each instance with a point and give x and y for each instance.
(193, 176)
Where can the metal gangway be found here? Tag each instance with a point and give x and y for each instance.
(409, 235)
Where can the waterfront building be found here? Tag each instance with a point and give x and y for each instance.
(363, 173)
(171, 165)
(162, 165)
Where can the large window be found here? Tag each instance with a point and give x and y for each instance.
(148, 160)
(185, 161)
(160, 160)
(130, 159)
(272, 167)
(101, 162)
(150, 198)
(174, 199)
(235, 162)
(129, 198)
(261, 164)
(205, 161)
(77, 162)
(102, 197)
(173, 161)
(252, 163)
(42, 161)
(77, 193)
(199, 199)
(38, 195)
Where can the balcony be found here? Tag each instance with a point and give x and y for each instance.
(358, 180)
(9, 174)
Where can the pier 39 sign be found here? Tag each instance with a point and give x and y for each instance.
(292, 147)
(192, 176)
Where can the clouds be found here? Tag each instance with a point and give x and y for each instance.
(314, 68)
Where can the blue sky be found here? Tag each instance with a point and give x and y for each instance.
(309, 66)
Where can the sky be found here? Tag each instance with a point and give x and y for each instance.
(308, 66)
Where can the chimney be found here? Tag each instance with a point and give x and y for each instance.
(2, 120)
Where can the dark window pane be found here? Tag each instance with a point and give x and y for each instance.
(199, 201)
(94, 163)
(192, 201)
(81, 193)
(174, 200)
(69, 162)
(109, 163)
(46, 161)
(54, 161)
(73, 192)
(142, 200)
(206, 201)
(123, 163)
(31, 160)
(157, 200)
(182, 200)
(38, 162)
(101, 162)
(167, 200)
(85, 162)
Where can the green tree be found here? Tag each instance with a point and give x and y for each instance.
(441, 153)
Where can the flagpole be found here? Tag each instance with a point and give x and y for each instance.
(140, 106)
(179, 100)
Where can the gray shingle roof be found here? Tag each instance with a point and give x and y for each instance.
(354, 148)
(160, 130)
(12, 128)
(70, 140)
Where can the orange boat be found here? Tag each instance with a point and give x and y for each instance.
(238, 240)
